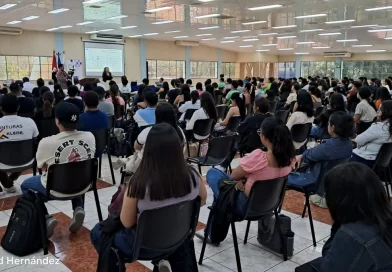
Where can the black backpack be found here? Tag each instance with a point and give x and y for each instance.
(26, 231)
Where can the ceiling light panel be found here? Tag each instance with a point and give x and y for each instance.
(330, 34)
(179, 37)
(157, 9)
(285, 49)
(207, 16)
(376, 51)
(270, 44)
(305, 42)
(58, 10)
(162, 22)
(13, 22)
(92, 32)
(246, 46)
(240, 31)
(380, 30)
(302, 53)
(135, 36)
(254, 23)
(262, 50)
(150, 34)
(363, 26)
(281, 27)
(227, 41)
(30, 18)
(106, 30)
(265, 7)
(117, 17)
(84, 23)
(201, 35)
(378, 8)
(321, 47)
(7, 6)
(268, 34)
(92, 1)
(286, 37)
(311, 16)
(208, 39)
(128, 27)
(208, 27)
(340, 22)
(361, 45)
(173, 31)
(311, 30)
(348, 40)
(233, 37)
(250, 40)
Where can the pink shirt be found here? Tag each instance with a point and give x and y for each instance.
(120, 99)
(256, 165)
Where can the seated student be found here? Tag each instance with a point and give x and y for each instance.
(27, 85)
(206, 111)
(234, 86)
(72, 99)
(189, 105)
(59, 94)
(361, 235)
(154, 186)
(221, 84)
(93, 119)
(39, 102)
(104, 106)
(146, 117)
(258, 165)
(13, 128)
(369, 142)
(183, 97)
(37, 90)
(173, 93)
(163, 91)
(339, 146)
(26, 104)
(77, 84)
(199, 87)
(237, 108)
(303, 113)
(70, 145)
(293, 95)
(87, 87)
(117, 101)
(365, 111)
(248, 129)
(125, 86)
(47, 109)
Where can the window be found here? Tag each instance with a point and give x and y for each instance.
(168, 69)
(204, 69)
(228, 69)
(285, 69)
(318, 68)
(17, 67)
(380, 69)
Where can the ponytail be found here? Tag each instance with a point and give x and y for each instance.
(282, 146)
(240, 101)
(47, 109)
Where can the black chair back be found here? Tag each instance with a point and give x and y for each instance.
(101, 140)
(112, 122)
(221, 110)
(176, 223)
(384, 156)
(326, 167)
(17, 153)
(319, 110)
(273, 105)
(248, 109)
(292, 106)
(234, 123)
(363, 126)
(301, 132)
(47, 127)
(220, 147)
(317, 104)
(72, 177)
(265, 197)
(188, 114)
(203, 127)
(283, 115)
(218, 99)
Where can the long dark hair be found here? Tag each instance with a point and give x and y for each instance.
(194, 96)
(240, 101)
(47, 109)
(164, 113)
(383, 94)
(354, 193)
(199, 86)
(386, 114)
(186, 92)
(165, 87)
(389, 83)
(58, 93)
(124, 80)
(279, 135)
(210, 89)
(343, 123)
(336, 102)
(208, 104)
(114, 92)
(157, 174)
(365, 93)
(305, 103)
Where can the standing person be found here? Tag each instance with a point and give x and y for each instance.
(93, 119)
(106, 75)
(27, 85)
(246, 90)
(62, 77)
(272, 91)
(77, 83)
(221, 84)
(104, 106)
(13, 128)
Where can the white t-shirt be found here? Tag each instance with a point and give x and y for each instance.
(188, 106)
(298, 118)
(16, 128)
(291, 98)
(200, 114)
(366, 112)
(28, 86)
(125, 89)
(51, 88)
(67, 146)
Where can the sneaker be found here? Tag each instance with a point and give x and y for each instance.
(118, 164)
(10, 190)
(51, 223)
(201, 237)
(2, 194)
(164, 266)
(77, 220)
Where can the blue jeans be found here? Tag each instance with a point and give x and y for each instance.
(356, 158)
(34, 183)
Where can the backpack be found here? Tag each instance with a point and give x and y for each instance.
(26, 231)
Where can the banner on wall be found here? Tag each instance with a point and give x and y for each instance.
(77, 65)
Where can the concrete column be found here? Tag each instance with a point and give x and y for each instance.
(143, 68)
(298, 60)
(338, 68)
(187, 62)
(219, 62)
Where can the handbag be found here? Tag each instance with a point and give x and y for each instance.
(269, 236)
(117, 201)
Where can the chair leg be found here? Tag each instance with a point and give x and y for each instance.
(247, 232)
(97, 202)
(237, 253)
(310, 220)
(199, 166)
(282, 237)
(303, 213)
(388, 182)
(40, 171)
(111, 168)
(122, 178)
(203, 248)
(189, 152)
(100, 167)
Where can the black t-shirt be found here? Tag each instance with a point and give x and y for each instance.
(172, 94)
(271, 95)
(248, 130)
(26, 106)
(77, 102)
(27, 94)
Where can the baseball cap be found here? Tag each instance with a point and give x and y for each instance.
(68, 115)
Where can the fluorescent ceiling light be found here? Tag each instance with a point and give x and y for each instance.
(305, 42)
(361, 45)
(207, 16)
(201, 35)
(270, 44)
(361, 26)
(85, 23)
(303, 53)
(240, 31)
(286, 37)
(246, 46)
(268, 34)
(288, 26)
(321, 47)
(92, 32)
(58, 10)
(250, 40)
(135, 36)
(209, 39)
(208, 27)
(329, 34)
(254, 23)
(388, 38)
(180, 37)
(117, 17)
(91, 1)
(128, 27)
(233, 37)
(52, 29)
(285, 49)
(174, 31)
(348, 40)
(106, 30)
(340, 22)
(157, 9)
(376, 50)
(380, 30)
(227, 41)
(66, 26)
(311, 16)
(162, 22)
(13, 22)
(378, 8)
(7, 6)
(205, 1)
(311, 30)
(150, 34)
(262, 50)
(30, 18)
(265, 7)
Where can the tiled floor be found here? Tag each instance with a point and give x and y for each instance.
(74, 252)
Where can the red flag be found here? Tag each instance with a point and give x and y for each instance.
(54, 61)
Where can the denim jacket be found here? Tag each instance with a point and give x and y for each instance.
(356, 247)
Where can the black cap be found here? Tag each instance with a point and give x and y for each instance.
(67, 114)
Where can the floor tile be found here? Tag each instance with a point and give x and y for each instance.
(51, 264)
(308, 254)
(211, 266)
(8, 203)
(212, 250)
(301, 227)
(287, 266)
(91, 224)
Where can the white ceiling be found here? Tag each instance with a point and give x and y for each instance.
(183, 13)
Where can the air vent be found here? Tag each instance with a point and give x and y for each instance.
(107, 37)
(342, 54)
(10, 30)
(95, 6)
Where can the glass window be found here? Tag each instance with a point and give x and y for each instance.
(167, 69)
(228, 69)
(204, 69)
(33, 67)
(380, 69)
(285, 69)
(318, 68)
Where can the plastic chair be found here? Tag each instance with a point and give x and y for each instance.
(301, 132)
(203, 128)
(363, 126)
(318, 111)
(219, 149)
(248, 109)
(265, 197)
(382, 165)
(283, 115)
(188, 114)
(234, 123)
(273, 105)
(102, 144)
(17, 153)
(221, 110)
(292, 106)
(218, 99)
(311, 190)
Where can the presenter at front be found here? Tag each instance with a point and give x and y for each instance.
(62, 77)
(106, 75)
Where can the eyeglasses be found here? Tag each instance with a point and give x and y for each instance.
(259, 131)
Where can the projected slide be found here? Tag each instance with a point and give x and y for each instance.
(101, 55)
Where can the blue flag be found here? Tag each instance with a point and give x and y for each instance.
(58, 60)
